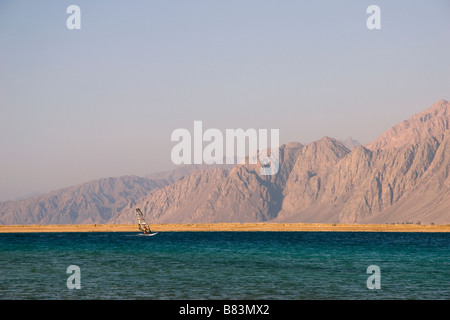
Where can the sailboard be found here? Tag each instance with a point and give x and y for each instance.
(143, 225)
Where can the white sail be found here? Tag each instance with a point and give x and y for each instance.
(143, 225)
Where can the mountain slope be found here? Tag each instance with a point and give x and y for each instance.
(240, 195)
(428, 201)
(432, 122)
(98, 201)
(308, 179)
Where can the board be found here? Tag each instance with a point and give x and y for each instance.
(148, 234)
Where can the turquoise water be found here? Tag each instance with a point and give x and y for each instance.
(225, 265)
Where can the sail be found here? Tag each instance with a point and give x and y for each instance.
(143, 225)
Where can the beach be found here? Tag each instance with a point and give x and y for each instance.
(278, 227)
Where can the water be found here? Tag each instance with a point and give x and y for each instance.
(225, 265)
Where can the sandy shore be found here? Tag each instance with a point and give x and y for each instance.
(229, 227)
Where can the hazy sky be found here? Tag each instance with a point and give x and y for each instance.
(78, 105)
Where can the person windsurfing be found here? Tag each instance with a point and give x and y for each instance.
(143, 225)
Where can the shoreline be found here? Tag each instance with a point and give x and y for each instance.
(216, 227)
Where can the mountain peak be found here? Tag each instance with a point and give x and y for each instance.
(326, 145)
(432, 122)
(350, 143)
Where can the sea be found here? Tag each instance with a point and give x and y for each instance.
(225, 265)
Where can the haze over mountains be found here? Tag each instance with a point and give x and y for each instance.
(402, 176)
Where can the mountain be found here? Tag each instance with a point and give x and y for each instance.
(98, 201)
(366, 186)
(402, 176)
(350, 143)
(108, 200)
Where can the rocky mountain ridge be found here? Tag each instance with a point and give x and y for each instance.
(402, 176)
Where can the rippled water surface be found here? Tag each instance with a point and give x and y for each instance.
(225, 265)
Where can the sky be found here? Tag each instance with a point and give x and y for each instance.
(102, 101)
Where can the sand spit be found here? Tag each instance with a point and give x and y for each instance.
(228, 227)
